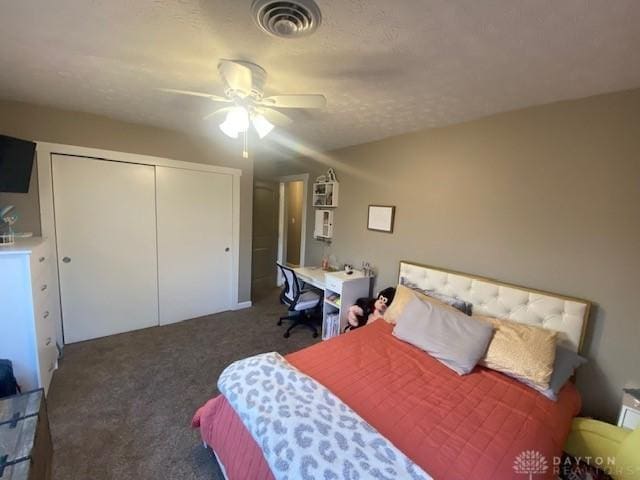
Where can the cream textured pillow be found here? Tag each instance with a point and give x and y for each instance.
(403, 296)
(521, 350)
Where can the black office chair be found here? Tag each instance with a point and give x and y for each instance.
(303, 304)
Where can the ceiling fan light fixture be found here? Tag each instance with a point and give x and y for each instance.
(262, 125)
(237, 121)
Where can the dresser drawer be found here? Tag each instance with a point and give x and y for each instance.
(46, 335)
(43, 304)
(46, 325)
(332, 283)
(47, 362)
(40, 260)
(41, 286)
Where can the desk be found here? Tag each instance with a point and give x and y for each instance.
(311, 275)
(340, 292)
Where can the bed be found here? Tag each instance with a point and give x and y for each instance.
(454, 427)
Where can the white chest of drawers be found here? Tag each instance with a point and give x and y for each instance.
(630, 412)
(29, 312)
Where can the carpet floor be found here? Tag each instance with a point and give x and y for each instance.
(120, 407)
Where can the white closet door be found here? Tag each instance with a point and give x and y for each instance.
(194, 212)
(106, 233)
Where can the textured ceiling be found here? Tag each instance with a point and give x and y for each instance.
(386, 67)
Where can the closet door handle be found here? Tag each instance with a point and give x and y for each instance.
(45, 314)
(48, 342)
(226, 249)
(41, 259)
(66, 259)
(43, 287)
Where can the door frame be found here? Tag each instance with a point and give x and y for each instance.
(282, 227)
(44, 151)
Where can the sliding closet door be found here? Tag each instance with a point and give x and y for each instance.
(194, 211)
(106, 235)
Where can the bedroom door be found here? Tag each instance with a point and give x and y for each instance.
(106, 238)
(194, 211)
(265, 237)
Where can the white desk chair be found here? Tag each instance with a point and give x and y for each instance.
(300, 302)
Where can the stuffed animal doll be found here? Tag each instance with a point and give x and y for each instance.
(367, 310)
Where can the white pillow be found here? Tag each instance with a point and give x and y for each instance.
(453, 338)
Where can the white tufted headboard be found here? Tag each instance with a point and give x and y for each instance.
(501, 300)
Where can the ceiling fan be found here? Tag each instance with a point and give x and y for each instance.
(243, 88)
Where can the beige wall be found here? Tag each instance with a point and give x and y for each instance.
(546, 197)
(74, 128)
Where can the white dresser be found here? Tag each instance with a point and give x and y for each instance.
(29, 311)
(340, 292)
(630, 412)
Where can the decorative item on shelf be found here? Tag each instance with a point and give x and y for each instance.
(8, 218)
(381, 218)
(331, 327)
(334, 298)
(325, 263)
(367, 269)
(368, 310)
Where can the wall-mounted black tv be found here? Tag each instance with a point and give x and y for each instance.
(16, 162)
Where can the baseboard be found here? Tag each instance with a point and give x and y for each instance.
(241, 305)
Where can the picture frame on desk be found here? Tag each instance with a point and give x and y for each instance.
(381, 218)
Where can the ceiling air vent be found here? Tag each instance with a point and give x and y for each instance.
(292, 19)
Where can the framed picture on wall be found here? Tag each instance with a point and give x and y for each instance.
(381, 218)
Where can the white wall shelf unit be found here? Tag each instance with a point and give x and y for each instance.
(323, 228)
(325, 194)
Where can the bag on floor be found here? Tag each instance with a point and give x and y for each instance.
(8, 384)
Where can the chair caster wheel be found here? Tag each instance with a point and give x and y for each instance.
(315, 335)
(279, 323)
(286, 334)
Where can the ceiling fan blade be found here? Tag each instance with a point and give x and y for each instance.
(295, 101)
(215, 98)
(238, 77)
(220, 111)
(275, 117)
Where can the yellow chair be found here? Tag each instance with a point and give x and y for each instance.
(614, 450)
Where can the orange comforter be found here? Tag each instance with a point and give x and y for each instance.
(469, 427)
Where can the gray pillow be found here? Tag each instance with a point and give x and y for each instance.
(457, 303)
(564, 366)
(452, 338)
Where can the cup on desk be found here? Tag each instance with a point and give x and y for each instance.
(348, 268)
